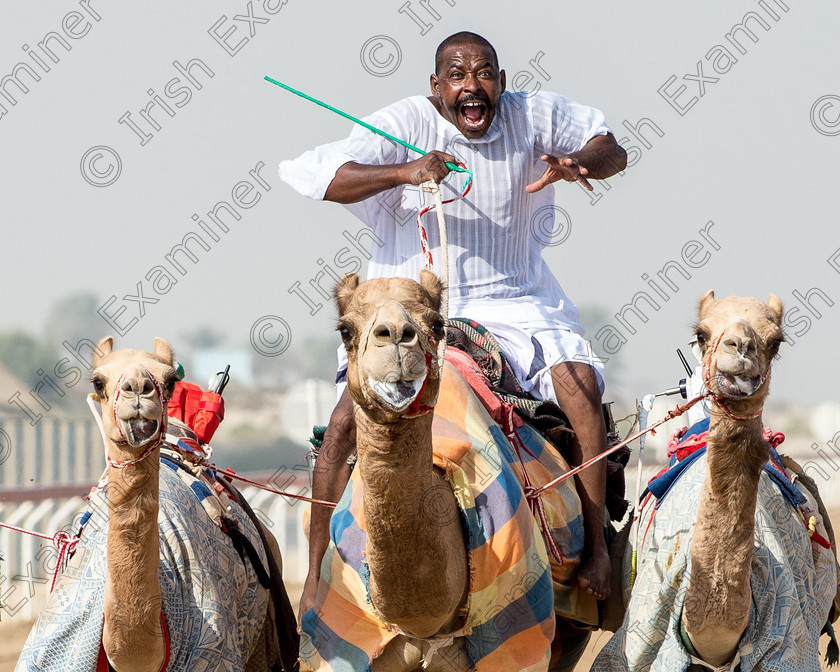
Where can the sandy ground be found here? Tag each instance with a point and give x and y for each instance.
(13, 633)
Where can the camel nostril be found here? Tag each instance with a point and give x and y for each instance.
(409, 335)
(138, 387)
(382, 332)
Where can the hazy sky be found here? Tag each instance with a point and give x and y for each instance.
(753, 149)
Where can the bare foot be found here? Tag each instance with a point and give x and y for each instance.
(307, 598)
(594, 574)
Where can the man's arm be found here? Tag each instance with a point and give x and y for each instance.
(354, 182)
(329, 479)
(600, 158)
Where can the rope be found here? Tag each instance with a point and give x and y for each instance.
(262, 486)
(438, 206)
(535, 502)
(644, 409)
(444, 254)
(679, 410)
(62, 540)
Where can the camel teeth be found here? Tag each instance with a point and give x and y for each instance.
(396, 394)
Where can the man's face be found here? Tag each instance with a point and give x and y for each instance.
(468, 87)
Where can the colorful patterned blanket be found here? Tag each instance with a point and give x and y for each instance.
(213, 604)
(793, 581)
(511, 603)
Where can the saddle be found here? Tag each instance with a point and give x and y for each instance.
(278, 643)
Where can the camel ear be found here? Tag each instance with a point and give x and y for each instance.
(344, 289)
(706, 302)
(775, 304)
(433, 286)
(103, 349)
(164, 351)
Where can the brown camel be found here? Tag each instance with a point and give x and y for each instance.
(176, 590)
(417, 569)
(387, 372)
(724, 600)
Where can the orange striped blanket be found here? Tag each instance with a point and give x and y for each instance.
(515, 587)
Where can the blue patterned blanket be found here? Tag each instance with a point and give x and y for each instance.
(213, 604)
(793, 583)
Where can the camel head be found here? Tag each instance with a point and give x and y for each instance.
(391, 328)
(133, 388)
(738, 338)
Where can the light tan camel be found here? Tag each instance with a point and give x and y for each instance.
(186, 578)
(738, 339)
(391, 348)
(744, 530)
(133, 425)
(133, 387)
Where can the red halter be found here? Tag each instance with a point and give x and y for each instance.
(121, 464)
(717, 399)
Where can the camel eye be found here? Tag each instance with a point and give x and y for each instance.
(169, 386)
(437, 329)
(701, 339)
(344, 331)
(773, 347)
(98, 386)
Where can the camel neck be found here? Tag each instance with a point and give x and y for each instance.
(395, 444)
(722, 546)
(736, 454)
(415, 545)
(132, 588)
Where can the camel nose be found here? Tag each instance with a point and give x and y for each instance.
(393, 328)
(137, 383)
(738, 344)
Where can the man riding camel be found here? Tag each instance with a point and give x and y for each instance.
(517, 145)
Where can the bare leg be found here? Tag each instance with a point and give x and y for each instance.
(576, 387)
(329, 478)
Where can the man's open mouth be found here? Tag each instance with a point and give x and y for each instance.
(474, 114)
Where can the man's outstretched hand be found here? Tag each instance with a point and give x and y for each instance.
(560, 168)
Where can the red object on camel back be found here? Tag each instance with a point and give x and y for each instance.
(203, 411)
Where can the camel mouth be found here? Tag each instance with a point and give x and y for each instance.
(737, 387)
(396, 395)
(140, 430)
